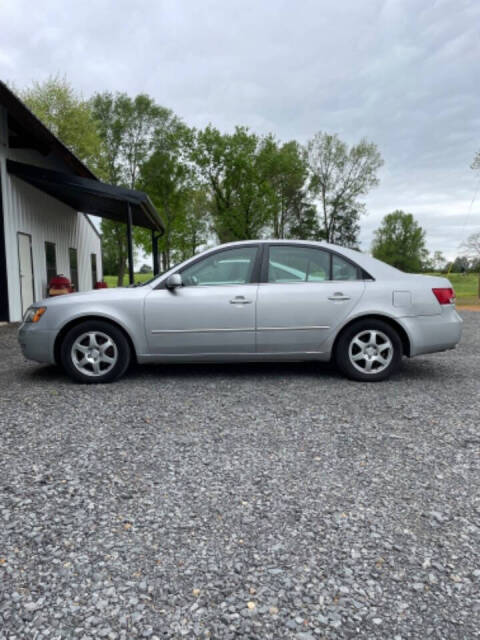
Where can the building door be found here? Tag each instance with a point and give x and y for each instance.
(25, 264)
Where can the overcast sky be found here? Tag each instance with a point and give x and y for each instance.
(403, 73)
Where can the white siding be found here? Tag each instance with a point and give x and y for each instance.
(29, 210)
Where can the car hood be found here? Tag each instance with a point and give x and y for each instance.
(95, 296)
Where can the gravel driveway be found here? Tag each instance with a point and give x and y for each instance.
(241, 501)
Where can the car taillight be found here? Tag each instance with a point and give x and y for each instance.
(445, 296)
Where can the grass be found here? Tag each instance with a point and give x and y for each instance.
(465, 285)
(139, 277)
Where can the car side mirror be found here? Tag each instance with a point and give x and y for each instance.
(174, 281)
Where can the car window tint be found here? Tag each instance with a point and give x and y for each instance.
(344, 270)
(298, 264)
(233, 266)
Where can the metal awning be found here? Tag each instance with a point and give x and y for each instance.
(78, 187)
(91, 196)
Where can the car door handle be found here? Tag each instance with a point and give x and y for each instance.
(338, 296)
(240, 300)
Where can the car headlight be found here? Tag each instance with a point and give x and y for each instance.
(33, 314)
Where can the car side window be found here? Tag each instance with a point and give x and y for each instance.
(344, 270)
(232, 266)
(298, 264)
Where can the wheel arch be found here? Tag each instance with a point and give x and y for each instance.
(78, 320)
(394, 324)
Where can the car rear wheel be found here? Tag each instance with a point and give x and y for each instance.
(369, 351)
(94, 352)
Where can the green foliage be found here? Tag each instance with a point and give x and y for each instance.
(67, 115)
(257, 185)
(192, 232)
(131, 129)
(114, 247)
(471, 246)
(228, 165)
(466, 286)
(169, 179)
(284, 168)
(112, 281)
(235, 185)
(438, 261)
(400, 241)
(339, 177)
(461, 264)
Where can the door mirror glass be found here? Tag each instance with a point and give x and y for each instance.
(174, 281)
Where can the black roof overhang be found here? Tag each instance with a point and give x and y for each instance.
(31, 132)
(91, 196)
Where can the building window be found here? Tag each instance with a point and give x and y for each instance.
(72, 254)
(93, 258)
(51, 260)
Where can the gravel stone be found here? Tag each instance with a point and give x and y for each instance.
(160, 506)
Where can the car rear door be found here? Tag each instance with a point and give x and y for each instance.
(305, 294)
(213, 312)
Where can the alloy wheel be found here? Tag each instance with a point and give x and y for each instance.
(370, 351)
(94, 353)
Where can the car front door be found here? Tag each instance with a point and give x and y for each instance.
(305, 293)
(212, 313)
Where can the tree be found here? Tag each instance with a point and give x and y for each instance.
(169, 179)
(400, 242)
(285, 170)
(339, 177)
(461, 264)
(438, 261)
(228, 165)
(67, 115)
(129, 129)
(191, 232)
(476, 162)
(471, 246)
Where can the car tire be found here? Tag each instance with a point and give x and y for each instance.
(95, 351)
(368, 351)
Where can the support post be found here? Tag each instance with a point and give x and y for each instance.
(156, 266)
(130, 243)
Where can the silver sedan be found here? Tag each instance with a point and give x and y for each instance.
(250, 301)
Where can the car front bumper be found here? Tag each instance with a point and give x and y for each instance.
(429, 334)
(37, 343)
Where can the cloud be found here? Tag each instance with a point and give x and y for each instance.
(402, 73)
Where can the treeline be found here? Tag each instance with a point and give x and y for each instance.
(209, 186)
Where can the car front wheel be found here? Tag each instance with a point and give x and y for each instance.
(95, 352)
(369, 351)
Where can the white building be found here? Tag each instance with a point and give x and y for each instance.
(45, 196)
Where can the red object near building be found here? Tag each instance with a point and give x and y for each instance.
(59, 285)
(101, 284)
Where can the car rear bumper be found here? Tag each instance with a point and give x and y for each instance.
(434, 333)
(36, 343)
